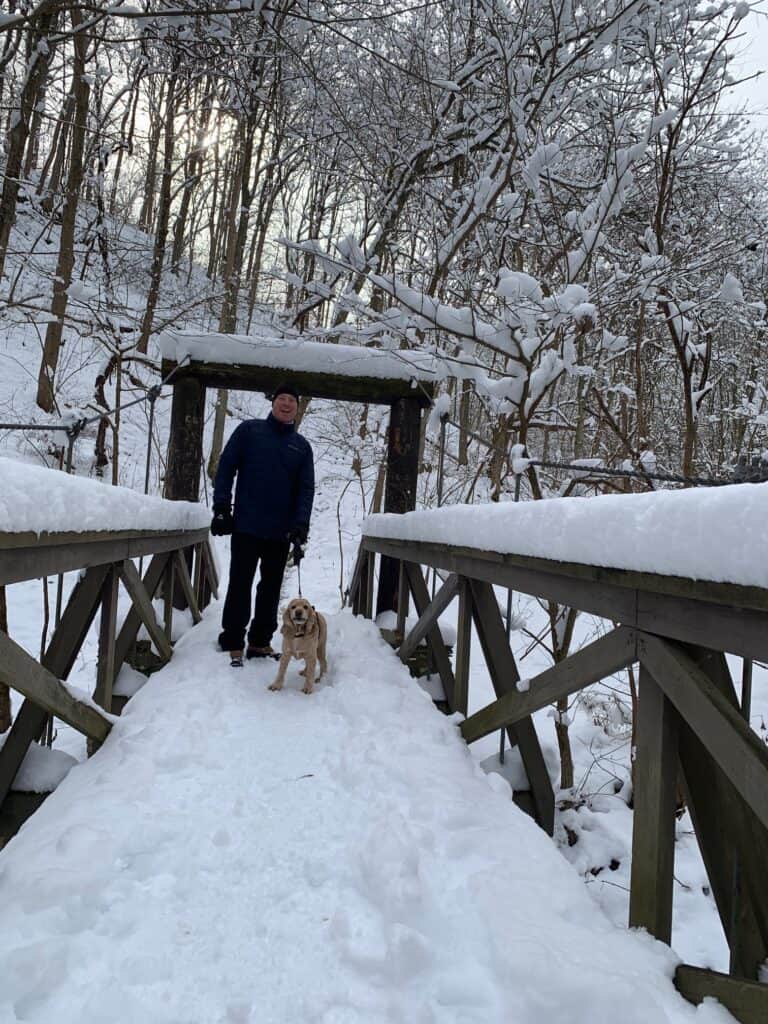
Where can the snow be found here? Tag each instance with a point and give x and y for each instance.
(334, 858)
(42, 769)
(715, 534)
(295, 354)
(39, 500)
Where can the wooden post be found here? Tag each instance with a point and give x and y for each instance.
(185, 450)
(105, 664)
(400, 489)
(463, 644)
(185, 444)
(653, 832)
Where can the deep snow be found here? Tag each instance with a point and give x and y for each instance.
(234, 855)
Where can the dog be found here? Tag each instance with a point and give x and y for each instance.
(305, 633)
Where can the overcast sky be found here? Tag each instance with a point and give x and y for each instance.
(754, 95)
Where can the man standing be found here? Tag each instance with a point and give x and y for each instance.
(273, 501)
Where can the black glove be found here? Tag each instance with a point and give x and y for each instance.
(298, 536)
(222, 524)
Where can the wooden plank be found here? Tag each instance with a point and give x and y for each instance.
(746, 1000)
(198, 575)
(596, 661)
(690, 616)
(169, 580)
(733, 595)
(653, 827)
(429, 618)
(733, 844)
(20, 671)
(242, 377)
(211, 569)
(26, 728)
(434, 636)
(353, 590)
(59, 658)
(127, 635)
(105, 662)
(504, 675)
(720, 727)
(463, 647)
(143, 605)
(403, 600)
(182, 574)
(35, 561)
(368, 581)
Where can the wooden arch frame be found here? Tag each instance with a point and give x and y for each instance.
(406, 402)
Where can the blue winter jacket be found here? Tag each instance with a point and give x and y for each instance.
(275, 478)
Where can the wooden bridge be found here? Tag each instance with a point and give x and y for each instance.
(690, 730)
(179, 561)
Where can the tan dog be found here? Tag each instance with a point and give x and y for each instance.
(304, 636)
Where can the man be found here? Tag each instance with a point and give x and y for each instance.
(273, 501)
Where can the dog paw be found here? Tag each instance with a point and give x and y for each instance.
(276, 686)
(306, 689)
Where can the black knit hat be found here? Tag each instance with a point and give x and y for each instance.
(285, 389)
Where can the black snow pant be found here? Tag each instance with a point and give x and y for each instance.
(247, 552)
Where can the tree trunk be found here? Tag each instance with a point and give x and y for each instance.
(45, 381)
(16, 141)
(163, 218)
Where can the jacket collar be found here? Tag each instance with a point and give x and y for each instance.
(281, 428)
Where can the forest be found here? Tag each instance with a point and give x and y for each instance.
(554, 198)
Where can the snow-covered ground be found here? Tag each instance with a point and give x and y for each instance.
(235, 855)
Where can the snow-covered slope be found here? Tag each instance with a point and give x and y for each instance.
(235, 855)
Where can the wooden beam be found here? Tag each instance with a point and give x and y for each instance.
(105, 663)
(353, 590)
(720, 727)
(724, 616)
(318, 384)
(185, 442)
(733, 843)
(74, 552)
(401, 484)
(127, 635)
(182, 573)
(653, 827)
(62, 651)
(169, 581)
(746, 1000)
(463, 647)
(596, 661)
(403, 600)
(431, 614)
(504, 675)
(143, 605)
(212, 568)
(20, 671)
(434, 636)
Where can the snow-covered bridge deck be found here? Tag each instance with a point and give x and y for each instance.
(683, 577)
(237, 856)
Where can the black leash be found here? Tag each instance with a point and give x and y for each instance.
(298, 554)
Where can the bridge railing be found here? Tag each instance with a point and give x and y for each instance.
(690, 728)
(180, 563)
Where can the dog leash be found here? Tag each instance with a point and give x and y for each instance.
(298, 554)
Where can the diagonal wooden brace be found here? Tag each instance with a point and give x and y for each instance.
(712, 717)
(20, 671)
(143, 605)
(600, 659)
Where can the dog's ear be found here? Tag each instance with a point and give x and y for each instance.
(287, 618)
(312, 620)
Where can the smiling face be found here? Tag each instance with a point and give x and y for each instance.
(284, 408)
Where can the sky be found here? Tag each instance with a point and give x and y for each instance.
(754, 94)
